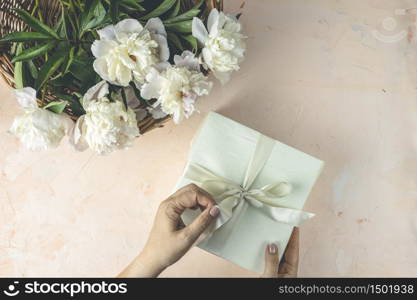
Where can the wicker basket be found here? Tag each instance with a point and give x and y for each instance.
(50, 12)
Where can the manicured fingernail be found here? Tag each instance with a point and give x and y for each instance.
(214, 211)
(272, 248)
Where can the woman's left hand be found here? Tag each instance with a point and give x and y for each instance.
(288, 267)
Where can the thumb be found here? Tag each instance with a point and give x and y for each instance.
(271, 261)
(197, 227)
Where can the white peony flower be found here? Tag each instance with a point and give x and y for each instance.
(107, 126)
(38, 128)
(224, 46)
(126, 51)
(177, 87)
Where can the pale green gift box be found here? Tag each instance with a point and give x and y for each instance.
(260, 185)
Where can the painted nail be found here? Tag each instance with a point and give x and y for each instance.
(214, 211)
(272, 248)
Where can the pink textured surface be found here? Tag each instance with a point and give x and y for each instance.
(315, 78)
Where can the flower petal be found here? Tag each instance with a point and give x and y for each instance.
(102, 47)
(188, 105)
(134, 104)
(26, 97)
(162, 66)
(222, 20)
(127, 27)
(150, 90)
(126, 60)
(223, 77)
(76, 136)
(178, 115)
(199, 30)
(157, 112)
(155, 25)
(217, 24)
(68, 123)
(131, 99)
(207, 57)
(107, 33)
(187, 60)
(163, 46)
(97, 91)
(212, 19)
(101, 68)
(124, 75)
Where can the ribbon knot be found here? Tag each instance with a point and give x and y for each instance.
(243, 192)
(232, 197)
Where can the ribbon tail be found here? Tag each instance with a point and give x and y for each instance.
(289, 215)
(225, 214)
(227, 209)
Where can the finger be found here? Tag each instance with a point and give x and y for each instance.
(271, 261)
(191, 196)
(291, 254)
(187, 189)
(180, 224)
(200, 224)
(289, 263)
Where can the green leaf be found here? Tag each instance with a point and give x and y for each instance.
(161, 9)
(33, 70)
(114, 10)
(182, 27)
(82, 68)
(56, 106)
(28, 79)
(93, 16)
(22, 71)
(13, 48)
(69, 60)
(48, 69)
(72, 18)
(25, 37)
(187, 15)
(36, 24)
(99, 17)
(191, 40)
(62, 81)
(88, 11)
(183, 17)
(176, 10)
(18, 70)
(73, 102)
(175, 40)
(63, 29)
(33, 52)
(132, 4)
(58, 26)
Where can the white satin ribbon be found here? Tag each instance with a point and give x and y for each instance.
(232, 197)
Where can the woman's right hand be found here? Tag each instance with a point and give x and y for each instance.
(170, 239)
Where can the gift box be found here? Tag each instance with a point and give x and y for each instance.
(259, 184)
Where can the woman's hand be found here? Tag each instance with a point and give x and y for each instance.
(288, 267)
(169, 239)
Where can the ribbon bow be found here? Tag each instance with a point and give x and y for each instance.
(233, 198)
